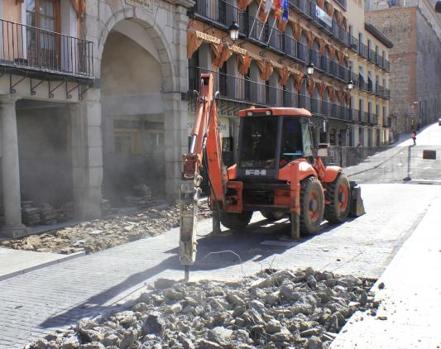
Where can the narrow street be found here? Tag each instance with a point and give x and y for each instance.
(59, 295)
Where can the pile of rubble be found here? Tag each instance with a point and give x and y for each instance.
(100, 234)
(271, 310)
(44, 213)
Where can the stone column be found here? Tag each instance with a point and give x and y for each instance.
(87, 157)
(10, 169)
(175, 141)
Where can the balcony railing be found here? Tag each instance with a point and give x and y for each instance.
(244, 90)
(372, 119)
(362, 50)
(223, 13)
(353, 43)
(371, 55)
(31, 48)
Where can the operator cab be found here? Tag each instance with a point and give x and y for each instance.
(272, 138)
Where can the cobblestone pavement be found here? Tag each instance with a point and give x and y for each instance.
(56, 296)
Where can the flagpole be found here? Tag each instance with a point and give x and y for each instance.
(263, 25)
(271, 31)
(255, 17)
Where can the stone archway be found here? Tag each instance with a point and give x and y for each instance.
(140, 109)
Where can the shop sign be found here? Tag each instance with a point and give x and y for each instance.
(207, 37)
(239, 50)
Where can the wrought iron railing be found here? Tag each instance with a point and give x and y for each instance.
(223, 13)
(353, 43)
(31, 48)
(245, 90)
(362, 50)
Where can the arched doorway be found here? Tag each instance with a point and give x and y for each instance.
(134, 112)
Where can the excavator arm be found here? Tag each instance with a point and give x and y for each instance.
(205, 151)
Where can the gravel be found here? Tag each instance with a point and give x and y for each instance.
(270, 310)
(99, 234)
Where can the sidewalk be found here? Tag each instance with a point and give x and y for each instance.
(15, 262)
(411, 299)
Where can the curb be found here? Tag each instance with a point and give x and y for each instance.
(42, 265)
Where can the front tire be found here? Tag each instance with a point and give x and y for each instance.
(338, 194)
(311, 205)
(235, 221)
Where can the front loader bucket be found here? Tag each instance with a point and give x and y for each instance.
(357, 206)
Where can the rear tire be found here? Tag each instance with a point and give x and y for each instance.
(311, 205)
(338, 194)
(235, 221)
(273, 215)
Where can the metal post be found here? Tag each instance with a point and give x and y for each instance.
(409, 150)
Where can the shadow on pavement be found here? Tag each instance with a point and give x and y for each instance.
(214, 252)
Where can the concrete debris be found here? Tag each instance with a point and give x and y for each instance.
(99, 234)
(306, 314)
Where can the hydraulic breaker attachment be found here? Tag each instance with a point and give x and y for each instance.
(357, 206)
(189, 196)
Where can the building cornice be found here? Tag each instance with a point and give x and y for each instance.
(378, 34)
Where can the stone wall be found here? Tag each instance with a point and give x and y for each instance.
(399, 25)
(428, 74)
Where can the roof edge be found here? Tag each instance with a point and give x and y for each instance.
(378, 34)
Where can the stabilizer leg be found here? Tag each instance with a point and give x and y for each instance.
(357, 206)
(216, 221)
(295, 226)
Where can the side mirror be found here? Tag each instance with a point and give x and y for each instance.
(322, 150)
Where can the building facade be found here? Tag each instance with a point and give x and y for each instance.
(415, 84)
(92, 95)
(267, 65)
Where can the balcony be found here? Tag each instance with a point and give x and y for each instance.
(245, 91)
(290, 46)
(362, 50)
(372, 119)
(353, 43)
(304, 7)
(371, 55)
(222, 14)
(370, 86)
(43, 52)
(361, 83)
(386, 65)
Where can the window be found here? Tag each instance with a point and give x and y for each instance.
(291, 147)
(44, 45)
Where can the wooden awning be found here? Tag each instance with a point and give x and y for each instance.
(284, 74)
(244, 62)
(79, 7)
(221, 54)
(265, 69)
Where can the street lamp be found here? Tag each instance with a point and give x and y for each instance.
(310, 70)
(350, 85)
(234, 31)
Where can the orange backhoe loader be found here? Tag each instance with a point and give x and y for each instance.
(278, 172)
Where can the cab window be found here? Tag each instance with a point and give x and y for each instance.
(291, 146)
